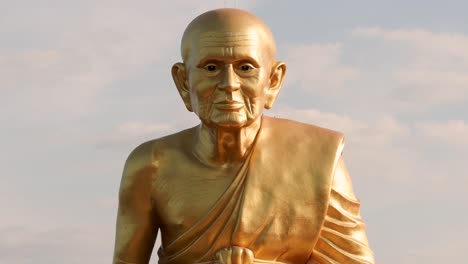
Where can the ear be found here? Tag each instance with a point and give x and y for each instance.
(180, 80)
(276, 81)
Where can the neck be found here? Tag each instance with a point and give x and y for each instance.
(225, 146)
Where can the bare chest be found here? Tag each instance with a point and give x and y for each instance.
(185, 193)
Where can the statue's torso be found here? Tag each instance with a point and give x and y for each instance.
(282, 203)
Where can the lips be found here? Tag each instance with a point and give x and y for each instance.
(229, 106)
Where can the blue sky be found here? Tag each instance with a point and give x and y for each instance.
(83, 82)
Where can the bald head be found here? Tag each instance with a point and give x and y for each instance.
(226, 23)
(230, 73)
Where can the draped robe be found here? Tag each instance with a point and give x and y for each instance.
(280, 205)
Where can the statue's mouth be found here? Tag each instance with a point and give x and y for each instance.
(229, 105)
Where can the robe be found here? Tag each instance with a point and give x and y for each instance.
(280, 207)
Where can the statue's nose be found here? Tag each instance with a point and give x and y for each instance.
(230, 81)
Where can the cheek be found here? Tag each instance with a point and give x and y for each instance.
(256, 86)
(201, 86)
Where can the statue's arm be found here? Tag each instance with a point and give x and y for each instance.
(137, 225)
(343, 237)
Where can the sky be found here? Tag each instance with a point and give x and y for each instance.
(82, 83)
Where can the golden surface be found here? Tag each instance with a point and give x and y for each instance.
(240, 187)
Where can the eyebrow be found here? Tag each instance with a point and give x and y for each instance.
(216, 59)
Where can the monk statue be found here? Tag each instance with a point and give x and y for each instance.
(240, 187)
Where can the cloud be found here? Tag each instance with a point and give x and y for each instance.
(138, 129)
(27, 245)
(424, 41)
(325, 119)
(435, 69)
(401, 70)
(59, 59)
(134, 133)
(380, 131)
(318, 67)
(452, 132)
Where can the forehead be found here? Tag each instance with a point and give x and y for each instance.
(227, 38)
(228, 44)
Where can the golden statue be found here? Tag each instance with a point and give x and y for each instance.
(240, 187)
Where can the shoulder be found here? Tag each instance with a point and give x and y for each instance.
(142, 163)
(316, 146)
(295, 130)
(149, 151)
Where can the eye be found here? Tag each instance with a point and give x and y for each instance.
(211, 67)
(246, 67)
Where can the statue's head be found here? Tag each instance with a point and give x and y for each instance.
(229, 72)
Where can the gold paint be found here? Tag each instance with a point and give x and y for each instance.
(240, 187)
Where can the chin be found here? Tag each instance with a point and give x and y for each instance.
(229, 120)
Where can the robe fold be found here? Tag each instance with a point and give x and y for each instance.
(280, 204)
(343, 238)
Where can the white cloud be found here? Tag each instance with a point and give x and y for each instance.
(437, 86)
(60, 58)
(27, 245)
(138, 129)
(325, 119)
(134, 133)
(435, 69)
(318, 68)
(383, 70)
(380, 131)
(453, 132)
(424, 41)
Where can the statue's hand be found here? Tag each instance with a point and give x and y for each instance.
(235, 255)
